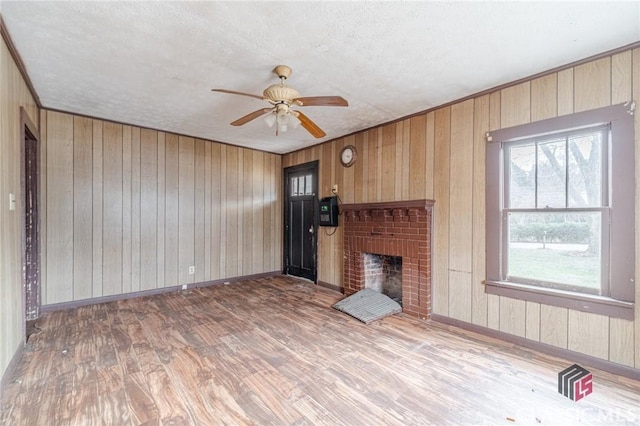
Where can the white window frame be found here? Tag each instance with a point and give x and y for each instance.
(617, 207)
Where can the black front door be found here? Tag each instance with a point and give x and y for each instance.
(300, 220)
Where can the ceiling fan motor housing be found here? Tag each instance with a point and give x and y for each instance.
(277, 93)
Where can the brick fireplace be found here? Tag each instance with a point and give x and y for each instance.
(402, 229)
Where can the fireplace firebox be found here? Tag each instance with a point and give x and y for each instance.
(383, 274)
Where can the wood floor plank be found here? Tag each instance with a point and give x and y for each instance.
(61, 410)
(224, 406)
(272, 351)
(85, 397)
(189, 374)
(172, 410)
(315, 413)
(141, 402)
(270, 401)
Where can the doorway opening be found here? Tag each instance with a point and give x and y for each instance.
(29, 185)
(300, 221)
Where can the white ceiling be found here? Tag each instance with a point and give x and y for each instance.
(152, 64)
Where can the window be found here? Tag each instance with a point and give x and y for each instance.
(554, 205)
(560, 211)
(301, 185)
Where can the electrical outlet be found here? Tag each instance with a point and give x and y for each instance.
(184, 286)
(335, 189)
(192, 270)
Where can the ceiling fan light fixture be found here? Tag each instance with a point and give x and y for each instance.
(295, 122)
(270, 119)
(283, 121)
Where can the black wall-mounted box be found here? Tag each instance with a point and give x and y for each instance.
(328, 211)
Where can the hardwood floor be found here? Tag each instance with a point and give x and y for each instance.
(271, 351)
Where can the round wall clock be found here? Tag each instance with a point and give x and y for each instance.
(348, 155)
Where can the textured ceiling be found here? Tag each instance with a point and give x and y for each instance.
(153, 64)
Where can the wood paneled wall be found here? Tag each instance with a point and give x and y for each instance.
(14, 94)
(130, 209)
(441, 155)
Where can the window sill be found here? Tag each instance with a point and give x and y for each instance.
(564, 299)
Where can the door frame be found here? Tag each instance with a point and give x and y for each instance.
(30, 308)
(311, 166)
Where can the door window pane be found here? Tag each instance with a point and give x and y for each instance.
(301, 185)
(308, 186)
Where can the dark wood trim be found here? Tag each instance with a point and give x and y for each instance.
(25, 120)
(18, 60)
(577, 120)
(29, 134)
(105, 299)
(571, 356)
(304, 166)
(331, 286)
(564, 299)
(169, 132)
(410, 204)
(235, 279)
(595, 57)
(8, 372)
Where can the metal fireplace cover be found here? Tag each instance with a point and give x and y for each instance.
(368, 305)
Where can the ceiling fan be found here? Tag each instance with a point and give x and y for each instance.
(282, 98)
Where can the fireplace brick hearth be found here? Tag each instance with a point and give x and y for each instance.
(401, 228)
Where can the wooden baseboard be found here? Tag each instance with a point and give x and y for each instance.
(8, 372)
(331, 286)
(93, 301)
(573, 357)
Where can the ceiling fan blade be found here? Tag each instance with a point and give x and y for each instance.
(309, 125)
(321, 101)
(233, 92)
(252, 116)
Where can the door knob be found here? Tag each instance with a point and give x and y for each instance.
(311, 229)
